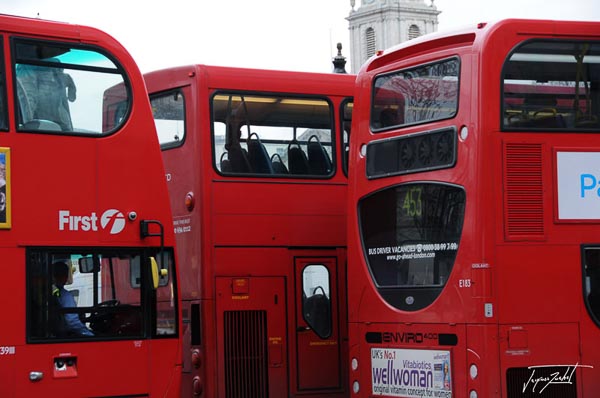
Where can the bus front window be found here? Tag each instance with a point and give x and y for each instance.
(99, 294)
(411, 235)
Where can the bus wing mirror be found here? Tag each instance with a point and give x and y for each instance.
(156, 273)
(86, 265)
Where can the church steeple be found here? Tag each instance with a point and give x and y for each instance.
(380, 24)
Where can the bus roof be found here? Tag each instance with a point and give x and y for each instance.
(235, 78)
(479, 33)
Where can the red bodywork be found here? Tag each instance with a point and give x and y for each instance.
(50, 173)
(514, 297)
(245, 243)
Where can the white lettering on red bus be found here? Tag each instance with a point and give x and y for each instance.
(7, 350)
(112, 220)
(69, 222)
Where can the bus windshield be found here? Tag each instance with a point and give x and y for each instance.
(61, 89)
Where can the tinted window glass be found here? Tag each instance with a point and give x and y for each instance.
(411, 235)
(591, 282)
(90, 294)
(68, 90)
(3, 111)
(272, 136)
(552, 85)
(416, 95)
(413, 153)
(347, 107)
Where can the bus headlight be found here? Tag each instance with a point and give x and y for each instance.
(355, 387)
(354, 363)
(473, 394)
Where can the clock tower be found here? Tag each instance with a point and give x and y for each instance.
(380, 24)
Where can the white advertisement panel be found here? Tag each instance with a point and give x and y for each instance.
(578, 185)
(411, 373)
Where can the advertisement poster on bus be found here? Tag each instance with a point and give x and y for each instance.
(578, 185)
(411, 373)
(4, 187)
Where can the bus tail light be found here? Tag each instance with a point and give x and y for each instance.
(190, 201)
(197, 387)
(196, 359)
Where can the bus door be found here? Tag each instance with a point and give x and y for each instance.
(251, 335)
(317, 332)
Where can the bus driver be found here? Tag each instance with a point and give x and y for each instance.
(70, 324)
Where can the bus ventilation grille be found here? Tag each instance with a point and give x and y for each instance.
(523, 192)
(246, 361)
(521, 382)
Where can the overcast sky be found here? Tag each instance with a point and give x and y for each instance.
(272, 34)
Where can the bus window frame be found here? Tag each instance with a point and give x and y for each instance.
(3, 89)
(345, 151)
(119, 70)
(149, 302)
(377, 130)
(282, 95)
(593, 313)
(165, 93)
(504, 127)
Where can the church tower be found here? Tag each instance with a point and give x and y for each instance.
(380, 24)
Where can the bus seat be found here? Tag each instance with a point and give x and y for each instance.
(297, 160)
(278, 165)
(317, 313)
(225, 163)
(540, 112)
(258, 156)
(238, 159)
(318, 159)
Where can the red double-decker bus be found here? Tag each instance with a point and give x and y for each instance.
(473, 251)
(255, 163)
(90, 296)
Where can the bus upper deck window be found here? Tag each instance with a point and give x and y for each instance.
(66, 89)
(417, 95)
(552, 85)
(261, 135)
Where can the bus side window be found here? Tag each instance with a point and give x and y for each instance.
(592, 280)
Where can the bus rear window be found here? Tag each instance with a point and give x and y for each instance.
(411, 235)
(416, 95)
(552, 85)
